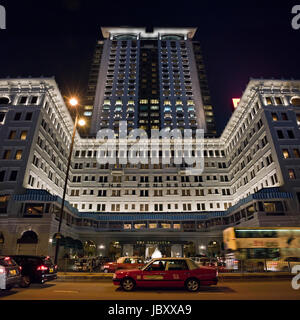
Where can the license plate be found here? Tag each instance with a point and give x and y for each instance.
(13, 272)
(51, 270)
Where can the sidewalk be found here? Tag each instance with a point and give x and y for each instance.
(87, 276)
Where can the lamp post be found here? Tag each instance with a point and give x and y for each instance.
(73, 102)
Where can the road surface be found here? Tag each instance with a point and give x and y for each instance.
(105, 290)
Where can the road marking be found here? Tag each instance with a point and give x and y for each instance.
(65, 291)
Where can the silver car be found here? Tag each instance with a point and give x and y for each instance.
(10, 273)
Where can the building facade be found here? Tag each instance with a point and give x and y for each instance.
(151, 80)
(251, 177)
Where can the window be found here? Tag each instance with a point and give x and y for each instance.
(2, 175)
(268, 101)
(17, 116)
(284, 116)
(18, 155)
(280, 134)
(292, 174)
(28, 116)
(291, 134)
(12, 135)
(13, 175)
(274, 116)
(2, 117)
(34, 100)
(23, 135)
(35, 209)
(296, 153)
(285, 153)
(23, 100)
(6, 154)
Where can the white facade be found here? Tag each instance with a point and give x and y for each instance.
(259, 148)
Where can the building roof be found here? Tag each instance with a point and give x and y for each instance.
(188, 31)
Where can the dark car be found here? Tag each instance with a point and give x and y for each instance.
(35, 269)
(10, 273)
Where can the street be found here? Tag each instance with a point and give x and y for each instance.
(105, 290)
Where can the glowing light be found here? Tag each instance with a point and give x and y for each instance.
(156, 254)
(81, 122)
(236, 102)
(73, 102)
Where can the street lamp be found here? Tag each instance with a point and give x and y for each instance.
(73, 102)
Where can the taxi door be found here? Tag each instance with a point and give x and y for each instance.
(177, 272)
(154, 276)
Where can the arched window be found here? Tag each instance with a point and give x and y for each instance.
(172, 37)
(295, 101)
(4, 100)
(28, 237)
(125, 37)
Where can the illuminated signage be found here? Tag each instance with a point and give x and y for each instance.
(236, 102)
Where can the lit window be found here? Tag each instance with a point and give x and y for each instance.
(296, 153)
(6, 154)
(292, 174)
(18, 155)
(12, 135)
(268, 101)
(285, 153)
(274, 117)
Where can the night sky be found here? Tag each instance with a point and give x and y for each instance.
(240, 40)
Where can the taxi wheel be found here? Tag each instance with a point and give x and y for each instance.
(192, 285)
(25, 282)
(128, 284)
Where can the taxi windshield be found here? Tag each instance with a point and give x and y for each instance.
(192, 264)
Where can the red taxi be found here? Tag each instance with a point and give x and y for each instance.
(167, 272)
(123, 263)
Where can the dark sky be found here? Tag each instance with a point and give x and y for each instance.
(240, 39)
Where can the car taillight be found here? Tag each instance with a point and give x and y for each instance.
(42, 268)
(20, 268)
(7, 258)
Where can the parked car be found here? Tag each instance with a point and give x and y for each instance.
(123, 263)
(82, 264)
(285, 264)
(35, 269)
(167, 272)
(10, 273)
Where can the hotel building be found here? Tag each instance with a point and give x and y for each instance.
(151, 80)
